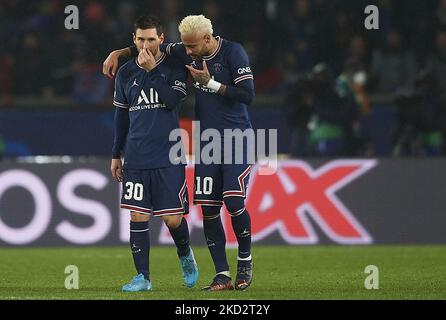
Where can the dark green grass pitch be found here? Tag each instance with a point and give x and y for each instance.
(281, 272)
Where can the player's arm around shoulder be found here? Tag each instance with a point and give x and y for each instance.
(111, 63)
(177, 50)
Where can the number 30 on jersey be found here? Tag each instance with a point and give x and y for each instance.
(134, 191)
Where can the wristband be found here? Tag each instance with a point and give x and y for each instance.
(214, 85)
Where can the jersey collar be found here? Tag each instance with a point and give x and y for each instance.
(209, 57)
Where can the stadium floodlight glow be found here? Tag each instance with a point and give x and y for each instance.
(45, 159)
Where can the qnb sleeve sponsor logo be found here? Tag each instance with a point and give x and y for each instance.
(244, 70)
(285, 201)
(180, 84)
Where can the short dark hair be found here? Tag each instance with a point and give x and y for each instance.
(147, 21)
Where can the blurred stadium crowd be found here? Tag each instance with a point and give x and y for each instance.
(313, 58)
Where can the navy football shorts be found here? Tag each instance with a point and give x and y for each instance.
(159, 192)
(214, 182)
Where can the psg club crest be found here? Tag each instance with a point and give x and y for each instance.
(217, 67)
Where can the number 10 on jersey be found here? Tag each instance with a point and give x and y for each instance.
(207, 185)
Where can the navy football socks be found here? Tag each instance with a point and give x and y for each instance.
(242, 229)
(140, 246)
(216, 241)
(180, 236)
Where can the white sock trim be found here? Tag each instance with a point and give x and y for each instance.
(139, 230)
(245, 259)
(226, 273)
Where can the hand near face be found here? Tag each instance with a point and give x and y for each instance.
(146, 59)
(200, 76)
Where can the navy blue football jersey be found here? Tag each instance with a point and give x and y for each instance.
(152, 100)
(229, 65)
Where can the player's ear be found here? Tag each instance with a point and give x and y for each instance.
(161, 37)
(134, 38)
(207, 38)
